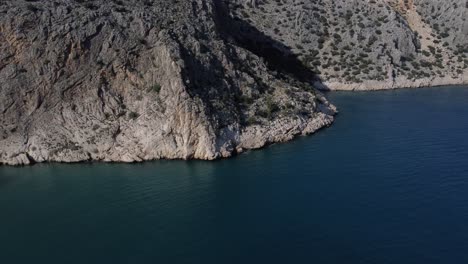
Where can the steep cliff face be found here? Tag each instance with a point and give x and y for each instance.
(141, 80)
(377, 44)
(148, 79)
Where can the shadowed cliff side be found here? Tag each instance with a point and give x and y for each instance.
(278, 57)
(126, 81)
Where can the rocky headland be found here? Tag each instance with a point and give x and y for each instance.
(137, 80)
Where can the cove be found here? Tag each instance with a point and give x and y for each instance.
(386, 183)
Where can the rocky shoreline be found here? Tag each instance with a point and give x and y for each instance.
(250, 138)
(125, 82)
(129, 81)
(398, 83)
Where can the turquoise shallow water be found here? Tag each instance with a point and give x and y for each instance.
(387, 183)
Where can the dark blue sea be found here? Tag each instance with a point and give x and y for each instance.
(387, 183)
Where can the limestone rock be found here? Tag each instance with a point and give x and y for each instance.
(128, 81)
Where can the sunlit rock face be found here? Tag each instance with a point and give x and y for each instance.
(140, 80)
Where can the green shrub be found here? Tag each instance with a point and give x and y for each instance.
(251, 121)
(156, 88)
(133, 115)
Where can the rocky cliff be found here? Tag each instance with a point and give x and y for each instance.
(140, 80)
(369, 44)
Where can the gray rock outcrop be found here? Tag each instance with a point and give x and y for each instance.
(137, 80)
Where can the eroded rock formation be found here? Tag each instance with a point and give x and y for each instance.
(204, 79)
(140, 80)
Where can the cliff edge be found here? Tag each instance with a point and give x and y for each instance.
(136, 80)
(139, 80)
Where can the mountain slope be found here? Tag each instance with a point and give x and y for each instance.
(204, 79)
(140, 80)
(355, 44)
